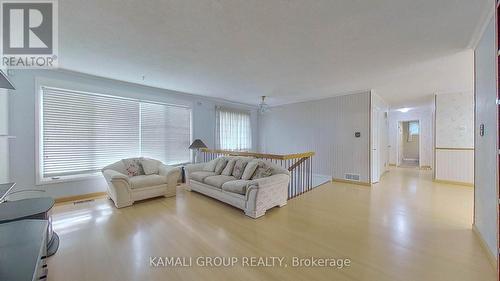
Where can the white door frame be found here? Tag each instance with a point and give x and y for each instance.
(375, 149)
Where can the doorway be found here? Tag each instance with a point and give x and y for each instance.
(409, 144)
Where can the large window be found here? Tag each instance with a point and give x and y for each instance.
(82, 132)
(234, 131)
(165, 133)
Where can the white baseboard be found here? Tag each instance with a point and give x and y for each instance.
(492, 258)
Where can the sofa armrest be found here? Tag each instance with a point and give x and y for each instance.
(168, 171)
(265, 193)
(112, 175)
(278, 179)
(194, 167)
(118, 188)
(172, 174)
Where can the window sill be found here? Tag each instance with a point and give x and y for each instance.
(73, 178)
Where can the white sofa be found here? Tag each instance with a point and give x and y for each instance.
(254, 195)
(125, 190)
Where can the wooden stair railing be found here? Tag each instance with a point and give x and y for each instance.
(299, 165)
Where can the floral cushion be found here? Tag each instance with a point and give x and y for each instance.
(133, 167)
(239, 168)
(262, 171)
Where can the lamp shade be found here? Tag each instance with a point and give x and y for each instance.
(197, 144)
(4, 82)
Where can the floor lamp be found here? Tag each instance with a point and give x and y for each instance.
(197, 145)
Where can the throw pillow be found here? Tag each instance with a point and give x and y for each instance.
(150, 166)
(133, 167)
(210, 166)
(228, 170)
(239, 167)
(221, 164)
(262, 171)
(250, 170)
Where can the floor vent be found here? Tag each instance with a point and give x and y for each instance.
(83, 201)
(352, 177)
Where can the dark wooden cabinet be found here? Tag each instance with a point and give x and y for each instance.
(23, 250)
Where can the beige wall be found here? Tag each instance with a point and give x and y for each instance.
(455, 120)
(455, 137)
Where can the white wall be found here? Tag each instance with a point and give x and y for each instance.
(326, 127)
(381, 145)
(22, 121)
(486, 164)
(425, 114)
(454, 158)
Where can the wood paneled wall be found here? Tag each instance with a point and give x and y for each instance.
(327, 127)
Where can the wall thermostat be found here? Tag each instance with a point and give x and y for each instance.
(357, 134)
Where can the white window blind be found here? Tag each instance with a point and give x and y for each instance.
(83, 132)
(234, 131)
(413, 127)
(165, 132)
(413, 130)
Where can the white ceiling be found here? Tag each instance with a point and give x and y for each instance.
(290, 50)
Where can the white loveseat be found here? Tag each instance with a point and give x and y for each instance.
(251, 193)
(124, 190)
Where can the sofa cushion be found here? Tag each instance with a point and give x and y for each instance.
(263, 170)
(250, 170)
(228, 170)
(239, 168)
(133, 167)
(147, 181)
(221, 164)
(218, 181)
(210, 166)
(150, 166)
(200, 175)
(237, 186)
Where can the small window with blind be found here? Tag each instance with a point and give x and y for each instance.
(413, 130)
(234, 130)
(82, 132)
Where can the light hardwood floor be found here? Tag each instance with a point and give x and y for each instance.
(404, 228)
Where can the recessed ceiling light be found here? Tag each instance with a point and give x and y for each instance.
(404, 110)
